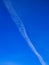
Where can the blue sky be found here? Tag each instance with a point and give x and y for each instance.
(35, 16)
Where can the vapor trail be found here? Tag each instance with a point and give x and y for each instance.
(22, 29)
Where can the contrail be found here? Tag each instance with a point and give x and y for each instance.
(16, 19)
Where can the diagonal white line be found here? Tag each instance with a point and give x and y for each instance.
(22, 29)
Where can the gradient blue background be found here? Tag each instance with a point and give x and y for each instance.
(35, 16)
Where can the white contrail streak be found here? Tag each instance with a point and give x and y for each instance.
(22, 29)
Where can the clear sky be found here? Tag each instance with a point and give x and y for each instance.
(35, 16)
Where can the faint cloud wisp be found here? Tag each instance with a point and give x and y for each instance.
(22, 29)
